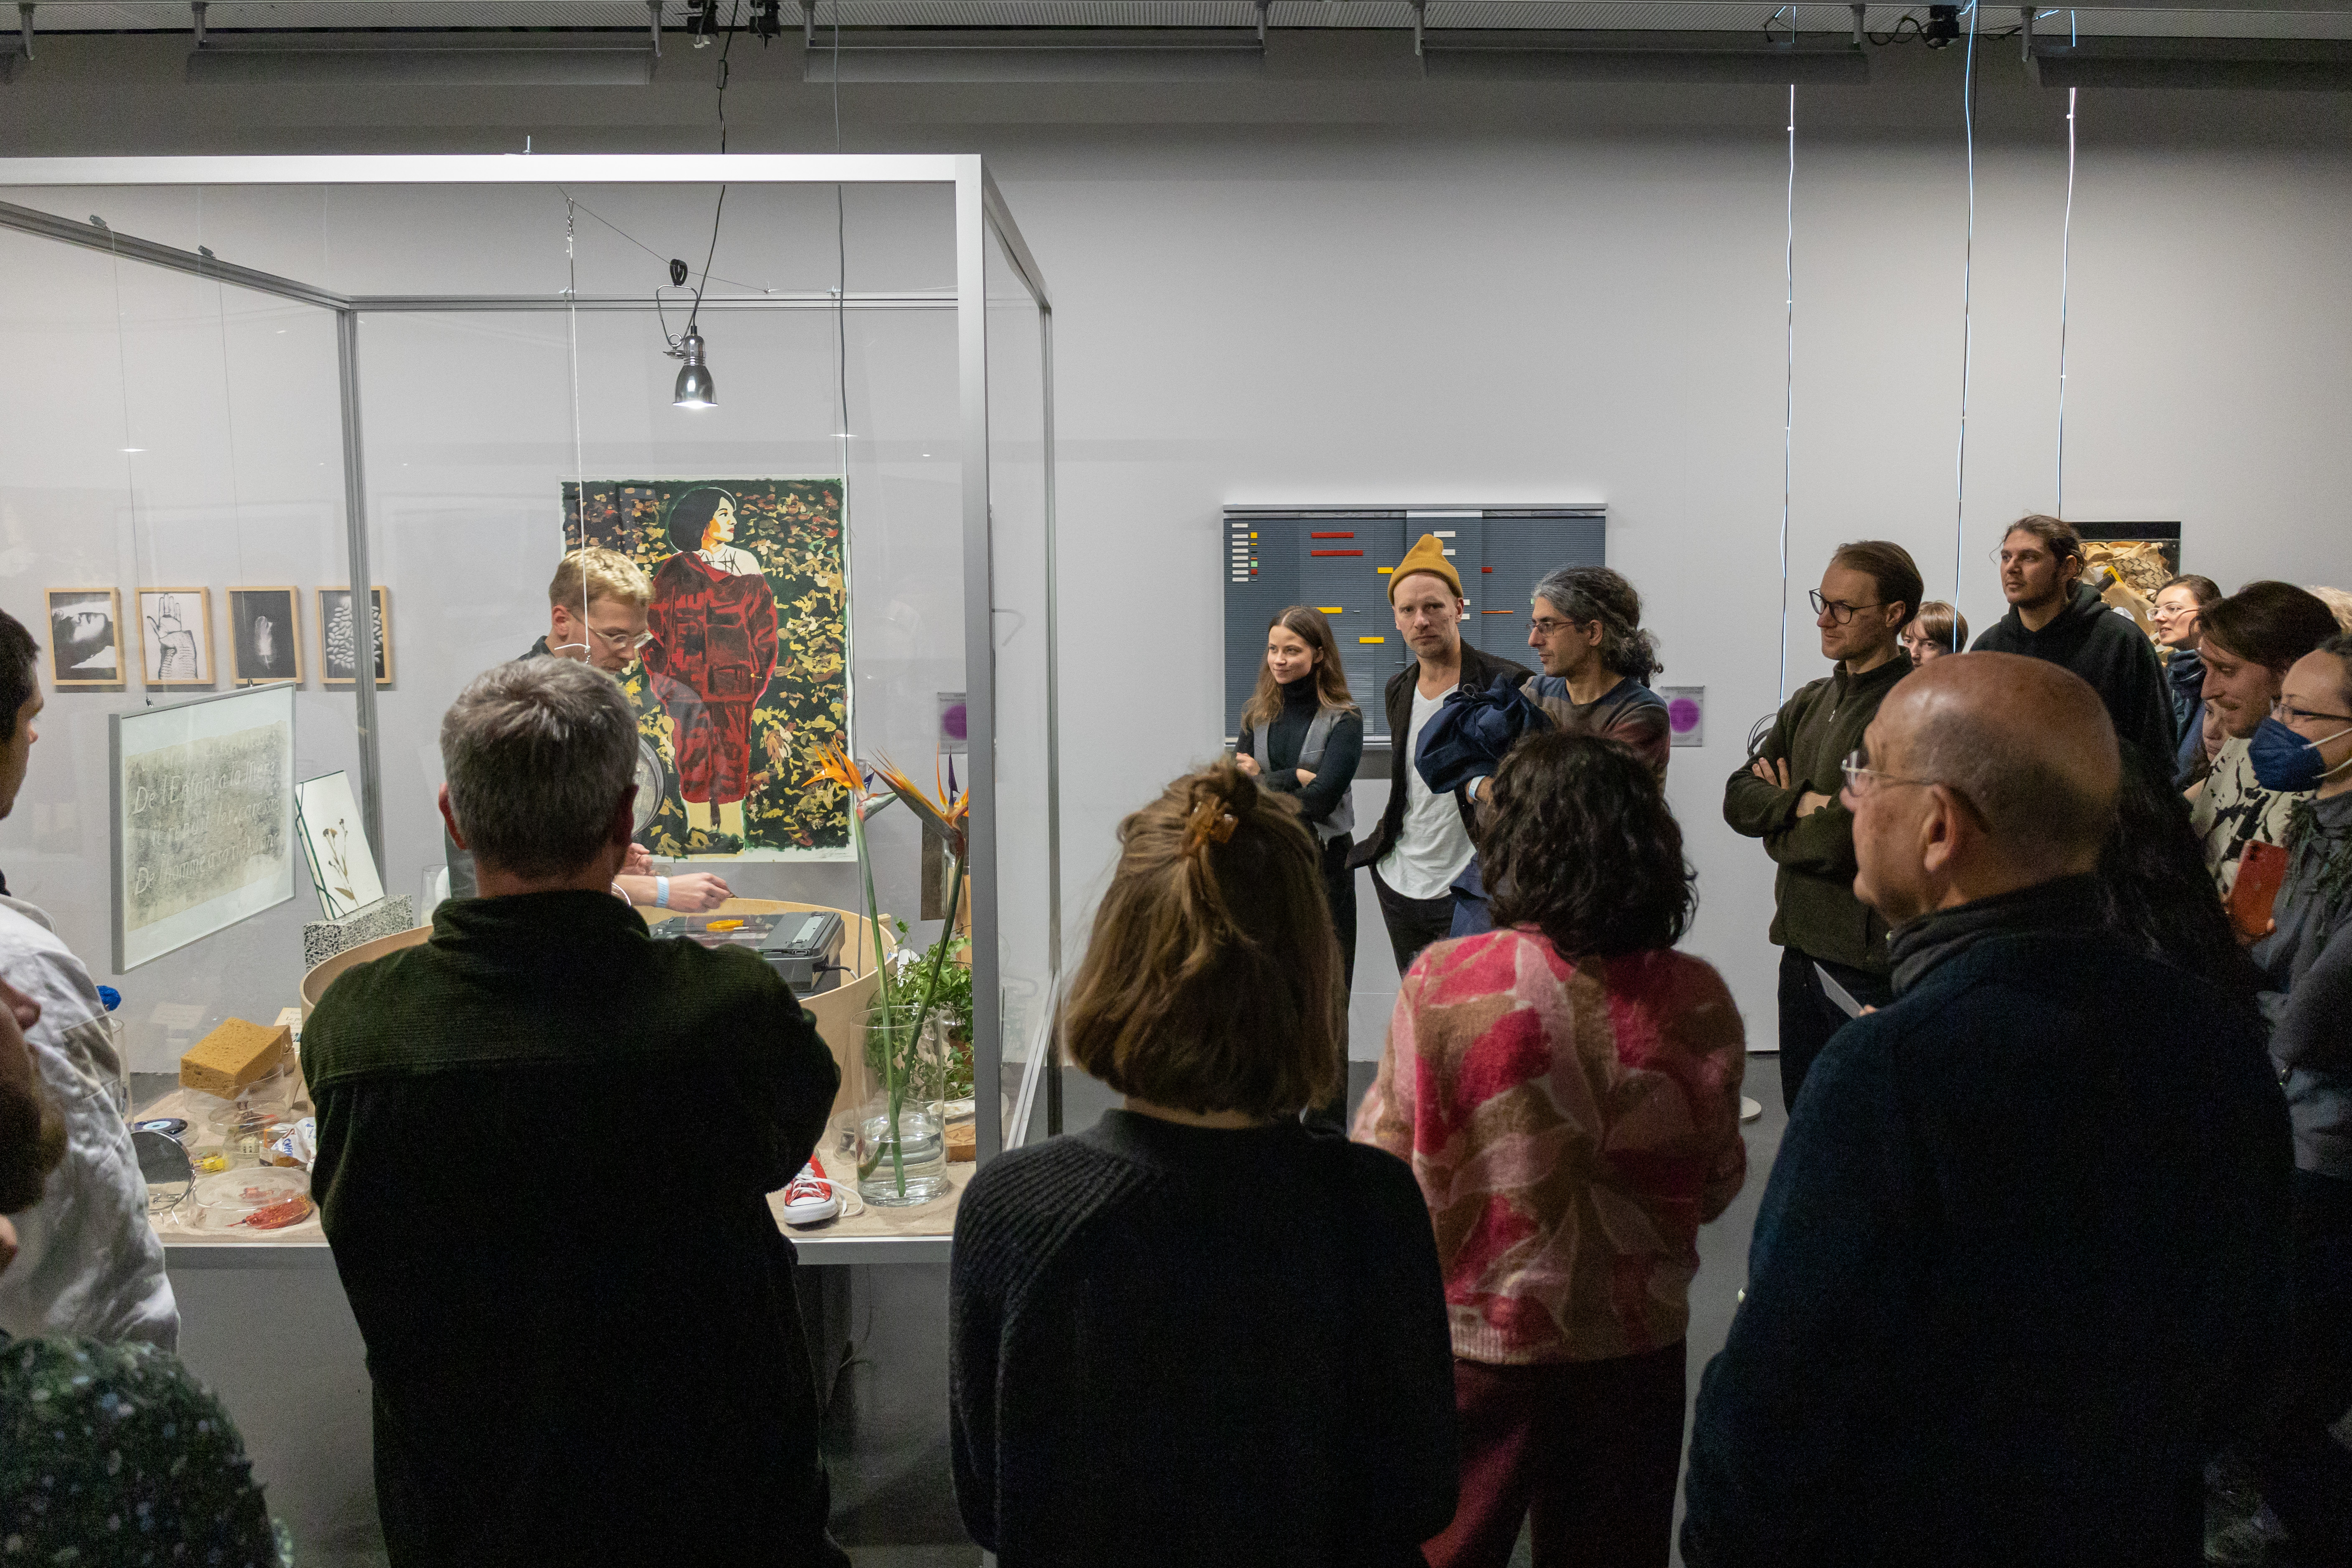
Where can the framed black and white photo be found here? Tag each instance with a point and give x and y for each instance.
(85, 637)
(339, 636)
(264, 635)
(175, 638)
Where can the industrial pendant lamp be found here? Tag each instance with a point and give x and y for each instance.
(694, 387)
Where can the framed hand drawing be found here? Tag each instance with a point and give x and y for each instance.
(264, 635)
(203, 818)
(85, 637)
(175, 638)
(338, 637)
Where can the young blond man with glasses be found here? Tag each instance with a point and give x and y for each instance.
(1787, 795)
(596, 614)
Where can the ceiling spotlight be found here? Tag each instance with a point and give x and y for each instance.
(694, 387)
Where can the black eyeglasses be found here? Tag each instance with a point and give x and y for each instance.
(2287, 713)
(1838, 610)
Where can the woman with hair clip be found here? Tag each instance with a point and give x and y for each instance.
(1202, 1331)
(1302, 734)
(1567, 1087)
(713, 626)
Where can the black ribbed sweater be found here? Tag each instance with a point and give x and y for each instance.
(1174, 1345)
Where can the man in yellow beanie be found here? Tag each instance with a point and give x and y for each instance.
(1424, 839)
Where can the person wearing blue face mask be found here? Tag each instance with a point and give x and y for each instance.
(2305, 744)
(2248, 643)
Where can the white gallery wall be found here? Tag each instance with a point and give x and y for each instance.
(1400, 293)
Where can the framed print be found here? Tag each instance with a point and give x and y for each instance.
(85, 637)
(334, 839)
(746, 678)
(202, 817)
(175, 637)
(2129, 563)
(339, 636)
(264, 635)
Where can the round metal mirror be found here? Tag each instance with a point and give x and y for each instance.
(164, 1161)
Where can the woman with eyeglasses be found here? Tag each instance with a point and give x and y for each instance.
(2307, 745)
(1787, 795)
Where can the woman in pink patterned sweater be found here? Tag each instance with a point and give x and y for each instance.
(1567, 1090)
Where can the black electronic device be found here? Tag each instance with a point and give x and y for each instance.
(806, 949)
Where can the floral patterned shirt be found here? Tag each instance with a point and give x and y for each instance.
(2234, 810)
(114, 1454)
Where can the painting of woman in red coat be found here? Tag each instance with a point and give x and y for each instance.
(713, 621)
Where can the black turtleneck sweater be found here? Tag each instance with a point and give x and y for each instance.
(1341, 753)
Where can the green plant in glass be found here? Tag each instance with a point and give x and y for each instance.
(899, 1029)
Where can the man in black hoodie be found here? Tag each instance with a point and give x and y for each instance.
(2053, 616)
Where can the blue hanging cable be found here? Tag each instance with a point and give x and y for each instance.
(2065, 259)
(1968, 325)
(1789, 382)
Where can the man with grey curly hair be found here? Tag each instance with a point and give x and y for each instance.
(576, 1358)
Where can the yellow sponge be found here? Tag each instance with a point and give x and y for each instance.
(234, 1055)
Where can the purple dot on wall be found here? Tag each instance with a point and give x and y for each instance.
(1683, 714)
(951, 722)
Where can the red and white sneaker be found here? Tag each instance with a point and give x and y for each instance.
(810, 1198)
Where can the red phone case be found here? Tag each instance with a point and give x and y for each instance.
(2262, 869)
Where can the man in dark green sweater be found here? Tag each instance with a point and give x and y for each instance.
(1787, 795)
(545, 1142)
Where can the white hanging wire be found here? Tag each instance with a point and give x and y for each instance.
(229, 406)
(130, 476)
(579, 444)
(1788, 384)
(1968, 325)
(2066, 260)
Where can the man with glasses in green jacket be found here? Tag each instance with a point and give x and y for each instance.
(1786, 794)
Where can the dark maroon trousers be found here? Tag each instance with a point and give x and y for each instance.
(1586, 1452)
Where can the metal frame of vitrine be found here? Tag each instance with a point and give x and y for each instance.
(980, 210)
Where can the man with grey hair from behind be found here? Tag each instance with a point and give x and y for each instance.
(2023, 1262)
(578, 1356)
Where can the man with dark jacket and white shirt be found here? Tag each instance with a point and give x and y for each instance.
(89, 1266)
(2052, 614)
(1423, 841)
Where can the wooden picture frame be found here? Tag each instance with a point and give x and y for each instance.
(338, 601)
(175, 650)
(78, 643)
(264, 635)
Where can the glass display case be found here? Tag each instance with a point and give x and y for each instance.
(256, 383)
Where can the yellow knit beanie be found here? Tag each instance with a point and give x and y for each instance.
(1428, 555)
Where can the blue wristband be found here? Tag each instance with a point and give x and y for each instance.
(661, 892)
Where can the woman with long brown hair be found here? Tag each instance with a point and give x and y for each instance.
(1302, 735)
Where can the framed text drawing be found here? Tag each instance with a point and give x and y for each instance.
(85, 637)
(264, 635)
(337, 637)
(202, 817)
(334, 839)
(175, 638)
